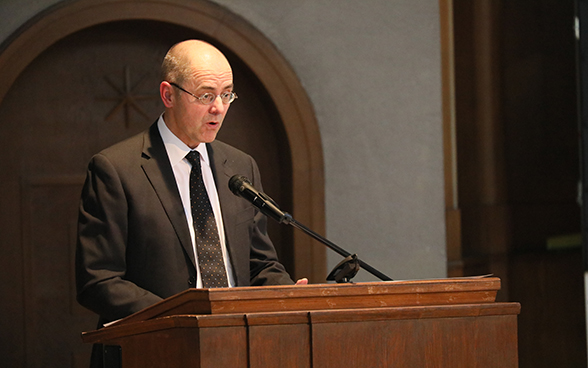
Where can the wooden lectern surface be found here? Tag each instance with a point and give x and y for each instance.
(427, 323)
(324, 296)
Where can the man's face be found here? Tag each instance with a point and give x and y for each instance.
(189, 119)
(199, 123)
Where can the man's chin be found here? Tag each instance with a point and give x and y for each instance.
(208, 139)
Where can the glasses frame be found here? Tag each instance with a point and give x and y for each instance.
(233, 95)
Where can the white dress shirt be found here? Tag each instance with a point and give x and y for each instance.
(176, 152)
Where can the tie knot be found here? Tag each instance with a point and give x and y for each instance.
(194, 158)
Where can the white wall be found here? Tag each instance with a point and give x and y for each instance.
(372, 71)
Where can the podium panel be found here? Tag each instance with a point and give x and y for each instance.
(462, 340)
(294, 329)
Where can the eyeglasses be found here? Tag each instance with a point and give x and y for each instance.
(208, 98)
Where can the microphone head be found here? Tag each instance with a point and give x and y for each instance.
(236, 184)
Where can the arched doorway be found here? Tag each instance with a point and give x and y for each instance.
(63, 78)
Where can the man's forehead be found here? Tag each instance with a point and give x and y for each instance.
(212, 79)
(212, 88)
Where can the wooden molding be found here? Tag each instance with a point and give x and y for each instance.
(452, 211)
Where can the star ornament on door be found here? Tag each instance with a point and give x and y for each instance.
(127, 98)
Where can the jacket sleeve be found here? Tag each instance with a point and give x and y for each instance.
(265, 268)
(102, 244)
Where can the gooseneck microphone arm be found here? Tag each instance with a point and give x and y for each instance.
(242, 187)
(336, 248)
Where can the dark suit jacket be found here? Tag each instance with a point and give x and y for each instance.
(134, 245)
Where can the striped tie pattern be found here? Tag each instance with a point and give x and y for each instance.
(208, 248)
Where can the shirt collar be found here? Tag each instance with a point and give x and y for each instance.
(176, 149)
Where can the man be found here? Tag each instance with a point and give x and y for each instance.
(138, 236)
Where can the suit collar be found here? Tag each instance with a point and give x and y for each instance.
(176, 149)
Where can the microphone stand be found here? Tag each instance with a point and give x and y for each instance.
(343, 272)
(287, 219)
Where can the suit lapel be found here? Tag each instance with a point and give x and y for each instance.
(158, 170)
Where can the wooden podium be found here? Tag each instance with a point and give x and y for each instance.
(426, 323)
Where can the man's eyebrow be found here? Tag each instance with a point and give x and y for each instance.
(210, 88)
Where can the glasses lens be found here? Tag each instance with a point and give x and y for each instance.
(207, 98)
(227, 97)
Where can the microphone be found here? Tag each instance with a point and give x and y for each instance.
(242, 187)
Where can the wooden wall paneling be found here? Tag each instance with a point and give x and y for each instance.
(518, 163)
(552, 327)
(12, 324)
(480, 139)
(540, 93)
(49, 247)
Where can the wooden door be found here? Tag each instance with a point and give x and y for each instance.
(86, 92)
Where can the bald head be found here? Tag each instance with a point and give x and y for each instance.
(192, 70)
(186, 59)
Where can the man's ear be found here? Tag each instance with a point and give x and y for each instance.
(166, 92)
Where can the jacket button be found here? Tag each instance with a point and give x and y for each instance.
(192, 281)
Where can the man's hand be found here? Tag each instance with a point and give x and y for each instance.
(303, 281)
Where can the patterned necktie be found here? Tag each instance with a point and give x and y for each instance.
(210, 256)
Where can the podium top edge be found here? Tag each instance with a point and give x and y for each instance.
(294, 297)
(461, 283)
